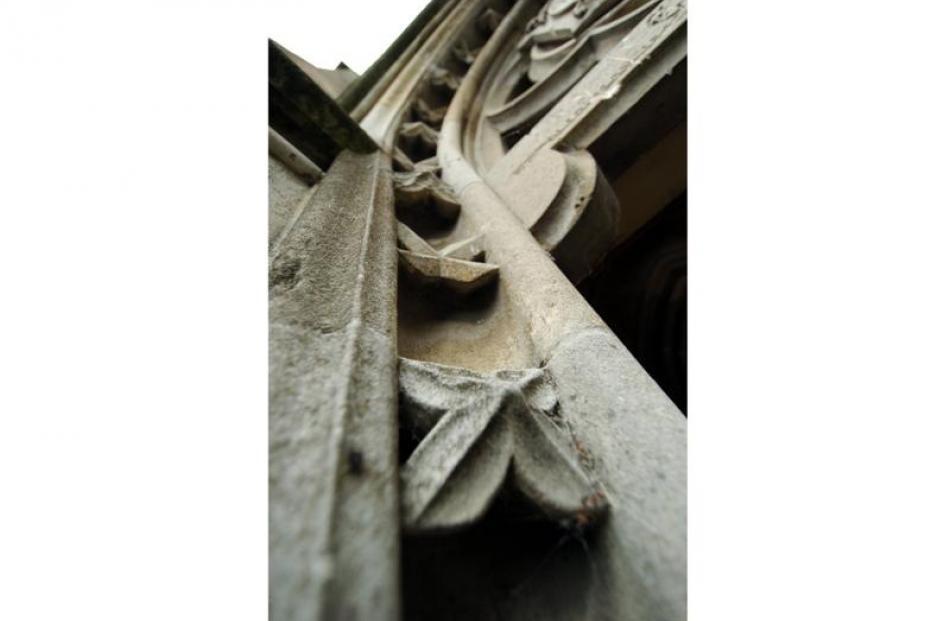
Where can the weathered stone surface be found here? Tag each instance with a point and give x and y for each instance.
(464, 53)
(286, 190)
(418, 140)
(583, 43)
(480, 431)
(459, 276)
(428, 114)
(630, 431)
(576, 427)
(408, 240)
(467, 249)
(632, 67)
(444, 78)
(424, 201)
(638, 440)
(333, 496)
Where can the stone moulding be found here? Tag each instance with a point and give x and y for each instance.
(480, 432)
(553, 73)
(582, 423)
(332, 421)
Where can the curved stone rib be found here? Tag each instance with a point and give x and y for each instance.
(578, 56)
(568, 205)
(485, 430)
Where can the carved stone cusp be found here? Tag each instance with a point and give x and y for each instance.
(455, 274)
(483, 431)
(418, 140)
(408, 240)
(423, 201)
(464, 53)
(489, 20)
(469, 249)
(432, 115)
(443, 78)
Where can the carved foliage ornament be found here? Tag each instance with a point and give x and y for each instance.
(479, 433)
(562, 43)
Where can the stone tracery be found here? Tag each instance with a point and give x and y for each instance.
(507, 381)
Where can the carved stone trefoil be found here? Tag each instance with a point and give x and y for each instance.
(479, 433)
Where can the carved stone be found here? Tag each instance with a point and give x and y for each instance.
(333, 493)
(454, 430)
(480, 431)
(456, 274)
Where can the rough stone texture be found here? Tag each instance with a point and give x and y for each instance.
(460, 276)
(637, 439)
(635, 436)
(504, 469)
(334, 544)
(633, 66)
(286, 191)
(568, 205)
(479, 431)
(553, 70)
(423, 200)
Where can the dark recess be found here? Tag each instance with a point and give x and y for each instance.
(640, 291)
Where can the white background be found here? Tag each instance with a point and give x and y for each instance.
(133, 330)
(326, 32)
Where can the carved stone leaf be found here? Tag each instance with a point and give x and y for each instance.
(427, 392)
(554, 71)
(451, 478)
(484, 431)
(546, 466)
